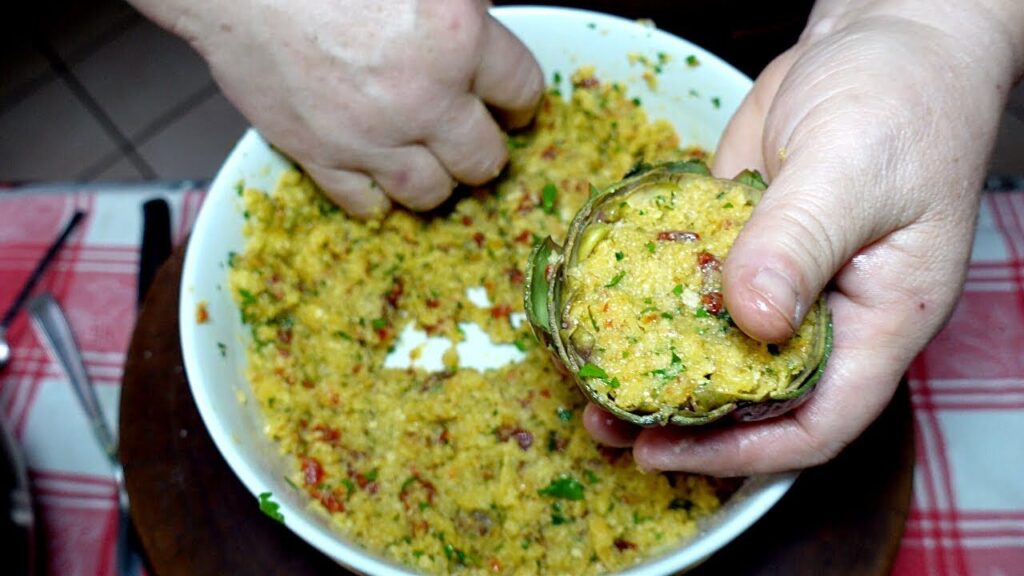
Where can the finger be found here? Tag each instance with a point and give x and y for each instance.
(607, 429)
(508, 77)
(825, 204)
(741, 145)
(413, 177)
(355, 192)
(469, 143)
(859, 381)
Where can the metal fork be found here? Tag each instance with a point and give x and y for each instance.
(50, 320)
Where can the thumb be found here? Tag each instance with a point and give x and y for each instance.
(820, 210)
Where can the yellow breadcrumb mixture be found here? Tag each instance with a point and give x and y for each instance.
(455, 471)
(645, 301)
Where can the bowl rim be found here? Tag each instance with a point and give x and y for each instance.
(769, 489)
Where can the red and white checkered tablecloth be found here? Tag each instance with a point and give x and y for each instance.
(967, 386)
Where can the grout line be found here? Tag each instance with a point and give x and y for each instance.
(124, 24)
(174, 113)
(97, 111)
(153, 129)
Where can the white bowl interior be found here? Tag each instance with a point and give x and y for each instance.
(214, 353)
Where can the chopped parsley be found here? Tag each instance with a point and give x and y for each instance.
(675, 368)
(650, 247)
(547, 199)
(619, 256)
(379, 323)
(564, 414)
(716, 102)
(222, 348)
(678, 290)
(564, 487)
(692, 61)
(270, 508)
(616, 279)
(592, 371)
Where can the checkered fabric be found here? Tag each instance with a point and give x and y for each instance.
(967, 386)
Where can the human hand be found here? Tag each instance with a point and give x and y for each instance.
(875, 131)
(378, 101)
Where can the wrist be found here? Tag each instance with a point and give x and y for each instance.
(192, 21)
(987, 34)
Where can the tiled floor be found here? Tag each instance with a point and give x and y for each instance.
(102, 94)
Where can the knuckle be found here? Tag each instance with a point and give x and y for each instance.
(808, 236)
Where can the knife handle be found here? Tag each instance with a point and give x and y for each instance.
(156, 243)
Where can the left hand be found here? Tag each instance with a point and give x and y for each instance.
(875, 132)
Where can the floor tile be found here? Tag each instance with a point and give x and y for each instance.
(1008, 157)
(84, 25)
(49, 135)
(123, 170)
(21, 68)
(141, 74)
(195, 145)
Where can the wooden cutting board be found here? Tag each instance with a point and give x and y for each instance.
(195, 517)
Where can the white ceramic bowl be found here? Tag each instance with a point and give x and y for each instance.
(562, 40)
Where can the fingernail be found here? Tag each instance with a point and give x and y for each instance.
(779, 294)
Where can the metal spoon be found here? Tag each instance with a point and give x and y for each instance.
(30, 284)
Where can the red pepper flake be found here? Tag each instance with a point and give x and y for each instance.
(515, 275)
(522, 437)
(550, 153)
(373, 487)
(307, 384)
(548, 272)
(444, 437)
(433, 302)
(284, 335)
(545, 393)
(494, 565)
(330, 501)
(501, 311)
(588, 82)
(312, 471)
(678, 236)
(328, 434)
(383, 334)
(707, 260)
(712, 302)
(406, 493)
(362, 480)
(467, 221)
(479, 238)
(622, 544)
(524, 237)
(393, 295)
(650, 318)
(357, 368)
(202, 314)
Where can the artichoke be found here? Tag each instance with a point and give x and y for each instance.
(632, 307)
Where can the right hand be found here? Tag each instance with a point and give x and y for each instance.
(378, 101)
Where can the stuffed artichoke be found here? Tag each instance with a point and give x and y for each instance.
(632, 304)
